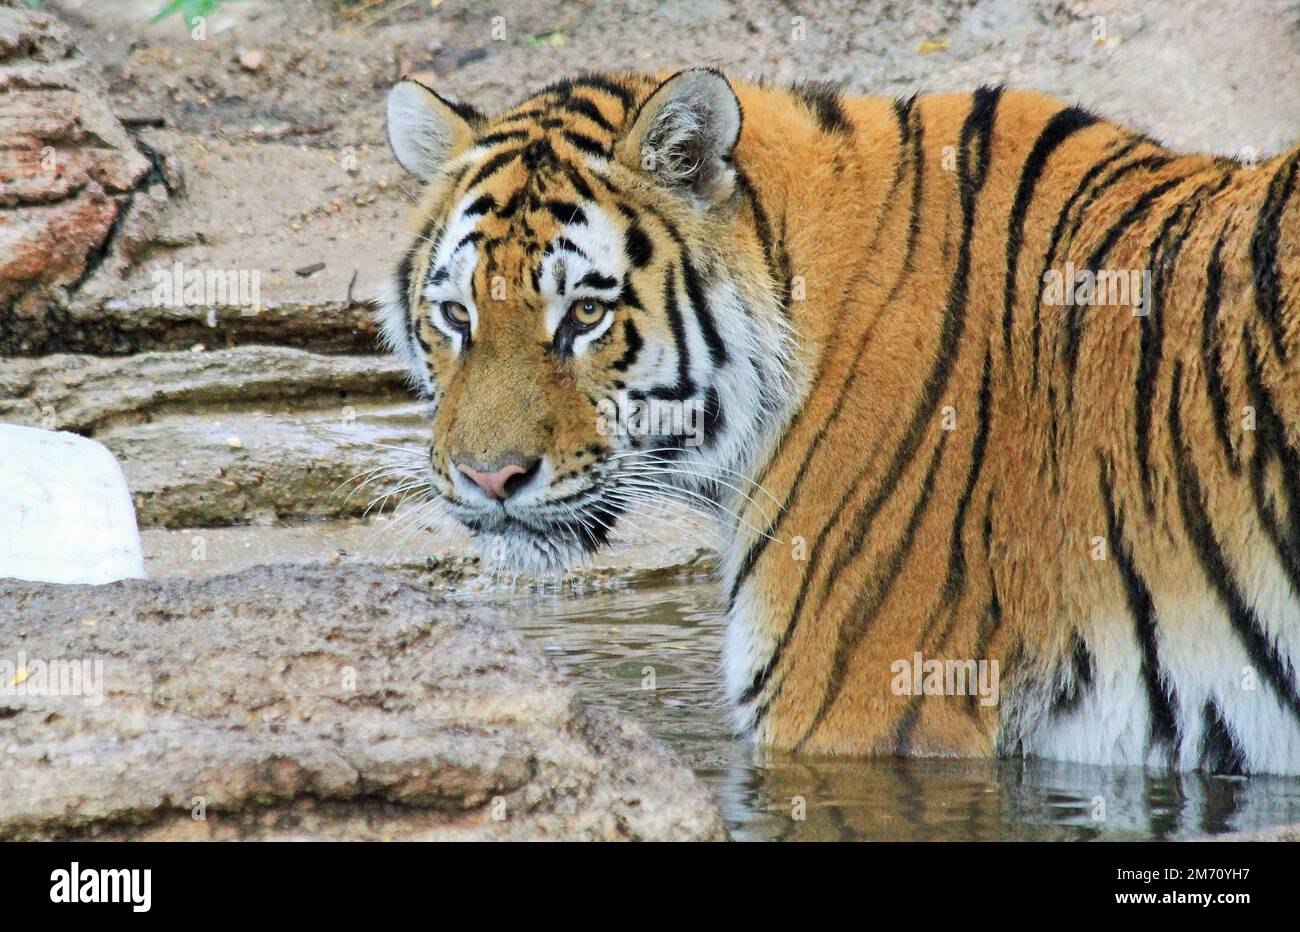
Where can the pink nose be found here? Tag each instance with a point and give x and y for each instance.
(494, 483)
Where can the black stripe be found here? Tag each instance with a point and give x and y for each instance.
(1264, 249)
(586, 108)
(1147, 163)
(530, 115)
(685, 387)
(404, 270)
(566, 213)
(866, 606)
(565, 87)
(703, 313)
(1220, 752)
(631, 337)
(538, 154)
(1271, 441)
(637, 245)
(629, 296)
(1162, 261)
(905, 727)
(563, 242)
(1073, 689)
(471, 237)
(598, 280)
(903, 119)
(715, 422)
(507, 210)
(991, 622)
(914, 221)
(505, 135)
(1276, 669)
(480, 206)
(972, 167)
(1161, 700)
(1059, 128)
(492, 166)
(584, 143)
(579, 185)
(955, 579)
(1212, 351)
(823, 99)
(1074, 313)
(777, 269)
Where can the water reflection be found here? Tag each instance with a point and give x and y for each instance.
(653, 655)
(909, 799)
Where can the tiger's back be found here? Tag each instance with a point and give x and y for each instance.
(996, 464)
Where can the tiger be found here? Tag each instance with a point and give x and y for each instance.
(942, 443)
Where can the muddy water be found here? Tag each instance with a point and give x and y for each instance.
(651, 653)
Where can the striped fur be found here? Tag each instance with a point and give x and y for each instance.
(1106, 503)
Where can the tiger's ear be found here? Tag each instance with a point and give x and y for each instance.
(684, 134)
(424, 128)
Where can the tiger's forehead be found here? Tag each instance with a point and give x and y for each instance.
(551, 248)
(531, 198)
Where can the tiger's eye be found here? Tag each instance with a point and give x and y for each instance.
(587, 312)
(455, 314)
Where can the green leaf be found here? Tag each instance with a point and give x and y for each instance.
(167, 10)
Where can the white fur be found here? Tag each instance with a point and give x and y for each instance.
(691, 134)
(460, 264)
(1203, 660)
(418, 130)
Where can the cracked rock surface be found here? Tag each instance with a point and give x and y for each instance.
(286, 702)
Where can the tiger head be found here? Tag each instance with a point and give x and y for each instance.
(586, 306)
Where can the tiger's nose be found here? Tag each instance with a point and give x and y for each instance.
(503, 482)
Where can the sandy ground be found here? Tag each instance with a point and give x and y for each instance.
(1198, 73)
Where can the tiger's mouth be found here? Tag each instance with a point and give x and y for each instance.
(547, 537)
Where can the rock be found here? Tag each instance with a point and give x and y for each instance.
(263, 211)
(229, 436)
(68, 172)
(251, 59)
(196, 470)
(291, 702)
(86, 393)
(65, 511)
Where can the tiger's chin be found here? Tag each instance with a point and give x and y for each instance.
(540, 547)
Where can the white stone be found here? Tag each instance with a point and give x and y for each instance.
(65, 511)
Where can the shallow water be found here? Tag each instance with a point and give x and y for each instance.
(653, 654)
